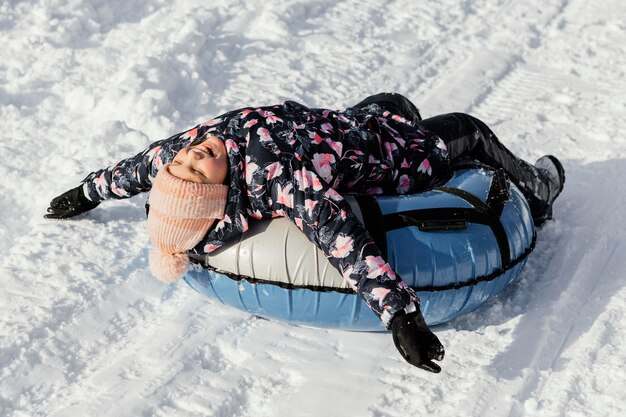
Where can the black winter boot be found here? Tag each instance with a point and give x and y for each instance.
(552, 169)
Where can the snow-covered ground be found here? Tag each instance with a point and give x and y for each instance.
(86, 331)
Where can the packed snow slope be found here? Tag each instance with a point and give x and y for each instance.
(86, 331)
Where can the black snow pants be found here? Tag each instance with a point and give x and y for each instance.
(469, 139)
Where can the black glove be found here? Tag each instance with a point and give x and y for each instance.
(415, 342)
(69, 204)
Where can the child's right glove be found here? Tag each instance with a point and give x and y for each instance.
(69, 204)
(414, 340)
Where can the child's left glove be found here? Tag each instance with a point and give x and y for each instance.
(414, 340)
(69, 204)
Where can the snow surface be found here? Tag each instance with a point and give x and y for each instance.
(86, 331)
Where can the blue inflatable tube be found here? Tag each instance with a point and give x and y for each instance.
(458, 245)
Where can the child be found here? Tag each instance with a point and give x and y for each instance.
(294, 161)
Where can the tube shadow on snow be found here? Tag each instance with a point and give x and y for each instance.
(571, 277)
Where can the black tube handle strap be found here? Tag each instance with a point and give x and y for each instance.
(442, 219)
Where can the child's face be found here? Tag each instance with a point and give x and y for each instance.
(205, 163)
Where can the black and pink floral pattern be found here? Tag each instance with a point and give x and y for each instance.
(294, 161)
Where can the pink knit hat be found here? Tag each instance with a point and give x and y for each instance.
(181, 213)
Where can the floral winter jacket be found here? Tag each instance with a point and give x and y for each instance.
(290, 160)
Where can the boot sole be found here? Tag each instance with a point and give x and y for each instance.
(559, 167)
(561, 171)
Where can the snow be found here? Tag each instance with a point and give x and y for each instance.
(85, 329)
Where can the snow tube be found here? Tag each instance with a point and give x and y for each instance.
(457, 245)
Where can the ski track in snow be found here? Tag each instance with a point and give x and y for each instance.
(85, 329)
